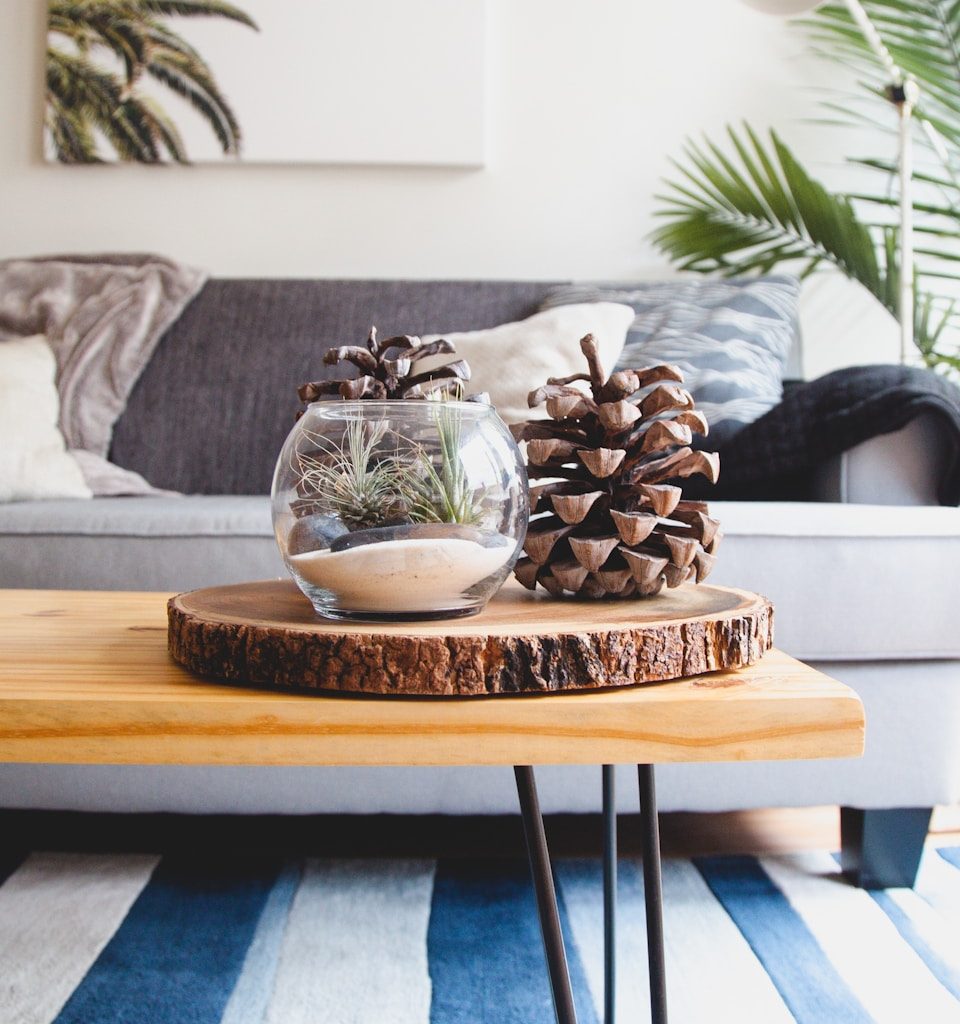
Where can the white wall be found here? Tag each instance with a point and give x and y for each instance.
(586, 101)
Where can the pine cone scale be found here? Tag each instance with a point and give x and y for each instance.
(574, 508)
(592, 552)
(634, 527)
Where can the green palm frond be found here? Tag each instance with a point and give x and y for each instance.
(754, 207)
(71, 134)
(923, 37)
(757, 208)
(194, 8)
(161, 36)
(96, 97)
(82, 11)
(164, 130)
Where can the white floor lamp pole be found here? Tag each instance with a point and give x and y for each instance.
(903, 94)
(907, 303)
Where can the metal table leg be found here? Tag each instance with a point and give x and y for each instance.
(609, 896)
(653, 893)
(546, 896)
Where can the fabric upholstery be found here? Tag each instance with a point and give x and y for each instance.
(103, 317)
(848, 582)
(777, 457)
(169, 544)
(211, 411)
(209, 415)
(904, 467)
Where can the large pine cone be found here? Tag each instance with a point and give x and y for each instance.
(387, 370)
(609, 523)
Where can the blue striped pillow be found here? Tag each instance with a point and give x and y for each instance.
(731, 338)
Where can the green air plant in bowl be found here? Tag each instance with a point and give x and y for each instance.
(350, 481)
(445, 494)
(392, 506)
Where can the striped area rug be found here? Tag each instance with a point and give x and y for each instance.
(134, 939)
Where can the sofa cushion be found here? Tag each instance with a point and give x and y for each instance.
(510, 360)
(730, 338)
(34, 461)
(138, 543)
(848, 582)
(211, 411)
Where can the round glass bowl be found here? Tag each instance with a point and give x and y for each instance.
(412, 509)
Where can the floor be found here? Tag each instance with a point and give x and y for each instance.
(682, 834)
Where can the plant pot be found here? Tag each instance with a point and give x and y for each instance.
(409, 509)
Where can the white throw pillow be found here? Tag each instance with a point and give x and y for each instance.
(34, 462)
(509, 361)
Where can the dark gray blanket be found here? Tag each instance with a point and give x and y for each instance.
(773, 458)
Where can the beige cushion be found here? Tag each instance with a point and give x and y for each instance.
(509, 361)
(34, 462)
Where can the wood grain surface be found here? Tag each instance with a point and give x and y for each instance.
(85, 678)
(269, 635)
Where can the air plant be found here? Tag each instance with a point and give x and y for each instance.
(445, 495)
(365, 484)
(352, 480)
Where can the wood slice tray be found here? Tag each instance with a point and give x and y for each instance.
(267, 634)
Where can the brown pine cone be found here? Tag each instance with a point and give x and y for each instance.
(610, 522)
(386, 370)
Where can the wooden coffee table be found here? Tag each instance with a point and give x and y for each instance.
(85, 678)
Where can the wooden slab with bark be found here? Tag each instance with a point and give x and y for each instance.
(267, 634)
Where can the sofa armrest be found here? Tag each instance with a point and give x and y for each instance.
(903, 467)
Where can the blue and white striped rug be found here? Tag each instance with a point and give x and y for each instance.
(133, 939)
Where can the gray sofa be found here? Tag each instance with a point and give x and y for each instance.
(864, 580)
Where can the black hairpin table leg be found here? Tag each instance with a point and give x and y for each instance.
(546, 896)
(609, 896)
(653, 893)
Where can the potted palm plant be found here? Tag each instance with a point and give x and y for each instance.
(748, 204)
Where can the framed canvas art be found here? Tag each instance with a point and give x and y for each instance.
(265, 81)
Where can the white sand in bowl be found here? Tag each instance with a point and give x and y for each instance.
(403, 575)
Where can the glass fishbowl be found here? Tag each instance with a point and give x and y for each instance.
(393, 510)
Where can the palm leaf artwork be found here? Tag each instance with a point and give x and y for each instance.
(98, 54)
(749, 207)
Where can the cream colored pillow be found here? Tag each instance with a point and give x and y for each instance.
(511, 360)
(34, 462)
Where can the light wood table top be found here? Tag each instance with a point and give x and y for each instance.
(85, 678)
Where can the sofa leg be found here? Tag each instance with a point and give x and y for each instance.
(881, 849)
